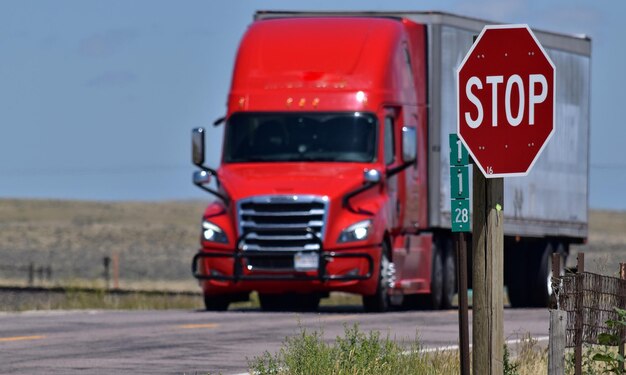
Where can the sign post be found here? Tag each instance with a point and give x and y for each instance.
(460, 215)
(505, 99)
(488, 275)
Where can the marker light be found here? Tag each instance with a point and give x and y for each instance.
(361, 97)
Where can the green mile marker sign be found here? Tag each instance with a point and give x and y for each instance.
(459, 186)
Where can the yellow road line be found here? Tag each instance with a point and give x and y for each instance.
(21, 338)
(193, 326)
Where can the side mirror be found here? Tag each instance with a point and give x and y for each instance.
(197, 143)
(371, 175)
(219, 121)
(409, 144)
(201, 177)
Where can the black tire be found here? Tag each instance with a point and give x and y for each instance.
(435, 299)
(216, 303)
(449, 286)
(379, 302)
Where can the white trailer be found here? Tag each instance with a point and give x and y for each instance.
(545, 211)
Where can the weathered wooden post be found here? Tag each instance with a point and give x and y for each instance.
(488, 275)
(106, 261)
(558, 324)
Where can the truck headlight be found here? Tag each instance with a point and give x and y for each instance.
(213, 233)
(356, 232)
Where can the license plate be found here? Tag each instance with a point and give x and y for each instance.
(306, 261)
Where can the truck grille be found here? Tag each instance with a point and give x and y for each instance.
(281, 223)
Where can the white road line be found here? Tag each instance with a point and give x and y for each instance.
(456, 347)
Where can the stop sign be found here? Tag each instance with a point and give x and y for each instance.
(505, 99)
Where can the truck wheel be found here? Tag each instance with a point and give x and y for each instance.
(435, 298)
(561, 250)
(542, 290)
(216, 302)
(379, 302)
(449, 273)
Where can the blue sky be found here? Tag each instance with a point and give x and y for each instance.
(98, 98)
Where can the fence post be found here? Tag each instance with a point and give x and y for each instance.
(556, 350)
(558, 319)
(578, 333)
(107, 273)
(622, 289)
(558, 324)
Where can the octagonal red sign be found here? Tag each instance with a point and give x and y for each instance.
(505, 99)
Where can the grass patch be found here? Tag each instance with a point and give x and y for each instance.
(355, 353)
(531, 359)
(133, 301)
(591, 366)
(79, 299)
(342, 299)
(363, 353)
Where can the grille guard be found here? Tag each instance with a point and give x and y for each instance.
(238, 255)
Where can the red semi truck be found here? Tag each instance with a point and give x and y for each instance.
(334, 173)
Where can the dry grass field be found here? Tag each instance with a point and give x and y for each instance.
(606, 247)
(156, 240)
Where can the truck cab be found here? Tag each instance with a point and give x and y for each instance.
(321, 171)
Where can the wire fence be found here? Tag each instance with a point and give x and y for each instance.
(589, 310)
(30, 271)
(589, 300)
(129, 266)
(36, 274)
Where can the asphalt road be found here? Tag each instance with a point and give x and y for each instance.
(189, 342)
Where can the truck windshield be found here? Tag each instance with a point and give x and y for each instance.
(341, 137)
